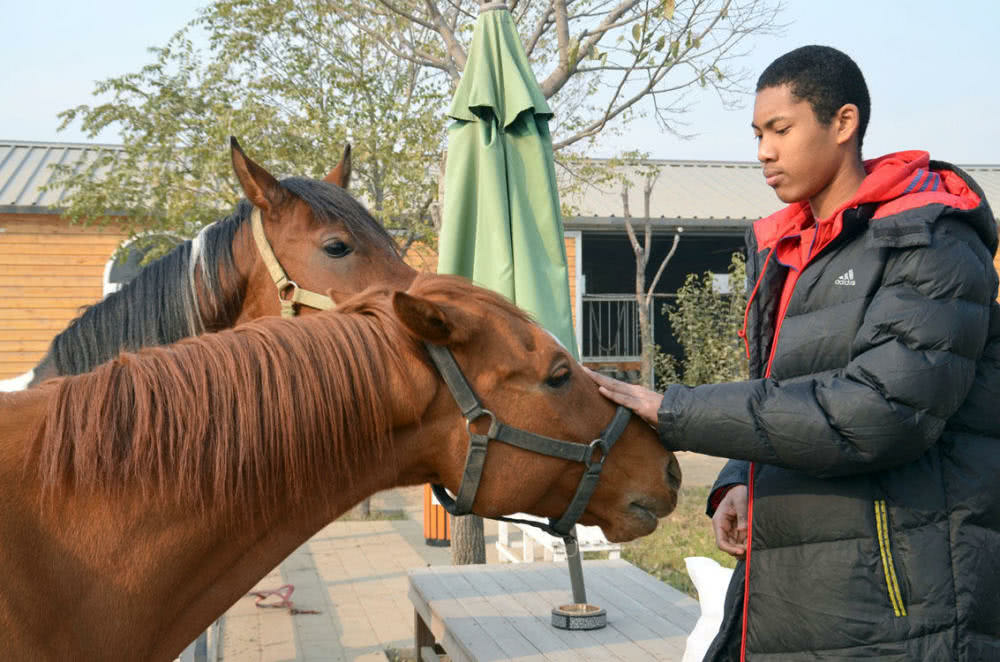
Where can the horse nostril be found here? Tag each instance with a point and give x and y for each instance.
(673, 473)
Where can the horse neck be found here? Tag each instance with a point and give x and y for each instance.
(123, 572)
(164, 303)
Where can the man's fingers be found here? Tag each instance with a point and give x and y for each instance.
(602, 380)
(725, 542)
(621, 397)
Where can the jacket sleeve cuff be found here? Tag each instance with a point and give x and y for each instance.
(736, 472)
(666, 418)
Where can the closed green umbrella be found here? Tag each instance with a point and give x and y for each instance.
(501, 225)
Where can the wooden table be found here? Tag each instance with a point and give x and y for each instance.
(503, 612)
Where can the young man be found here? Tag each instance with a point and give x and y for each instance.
(864, 500)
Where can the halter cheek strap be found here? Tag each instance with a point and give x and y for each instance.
(473, 410)
(290, 294)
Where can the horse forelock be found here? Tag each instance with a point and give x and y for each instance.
(262, 414)
(330, 203)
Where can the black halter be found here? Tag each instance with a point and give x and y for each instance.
(473, 410)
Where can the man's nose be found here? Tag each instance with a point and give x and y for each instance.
(765, 152)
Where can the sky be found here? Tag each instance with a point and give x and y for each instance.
(931, 67)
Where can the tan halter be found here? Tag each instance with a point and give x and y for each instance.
(289, 293)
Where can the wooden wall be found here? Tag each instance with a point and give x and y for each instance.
(571, 268)
(48, 270)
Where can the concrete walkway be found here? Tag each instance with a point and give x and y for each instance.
(354, 574)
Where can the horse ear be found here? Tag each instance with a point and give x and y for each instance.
(341, 174)
(424, 319)
(262, 189)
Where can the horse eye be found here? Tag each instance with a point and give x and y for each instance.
(558, 379)
(337, 249)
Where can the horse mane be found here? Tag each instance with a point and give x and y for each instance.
(259, 414)
(162, 304)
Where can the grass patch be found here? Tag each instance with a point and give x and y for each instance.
(686, 532)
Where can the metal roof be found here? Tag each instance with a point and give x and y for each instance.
(696, 194)
(731, 192)
(701, 194)
(26, 167)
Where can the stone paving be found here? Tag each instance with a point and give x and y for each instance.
(354, 574)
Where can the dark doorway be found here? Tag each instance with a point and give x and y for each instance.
(608, 266)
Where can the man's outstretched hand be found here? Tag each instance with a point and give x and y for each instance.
(639, 399)
(730, 522)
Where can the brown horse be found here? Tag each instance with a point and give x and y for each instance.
(139, 501)
(322, 238)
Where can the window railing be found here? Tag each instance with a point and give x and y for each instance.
(610, 327)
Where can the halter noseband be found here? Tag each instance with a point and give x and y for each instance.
(473, 410)
(289, 293)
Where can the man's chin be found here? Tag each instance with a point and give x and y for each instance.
(787, 196)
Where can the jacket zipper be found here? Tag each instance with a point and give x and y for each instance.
(746, 576)
(888, 567)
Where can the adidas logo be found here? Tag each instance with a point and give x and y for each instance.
(846, 279)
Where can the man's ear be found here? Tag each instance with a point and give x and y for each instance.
(425, 319)
(847, 122)
(258, 185)
(341, 174)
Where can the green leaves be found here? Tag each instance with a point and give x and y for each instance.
(705, 323)
(294, 83)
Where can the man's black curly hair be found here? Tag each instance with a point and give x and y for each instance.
(824, 77)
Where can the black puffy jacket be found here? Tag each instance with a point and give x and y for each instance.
(874, 437)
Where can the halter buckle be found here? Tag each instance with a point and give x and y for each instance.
(596, 443)
(287, 291)
(475, 416)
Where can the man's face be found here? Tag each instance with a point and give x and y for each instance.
(800, 155)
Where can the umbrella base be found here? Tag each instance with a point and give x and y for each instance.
(579, 617)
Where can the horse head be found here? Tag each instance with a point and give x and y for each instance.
(526, 379)
(325, 241)
(320, 237)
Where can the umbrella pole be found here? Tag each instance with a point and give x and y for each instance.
(579, 615)
(575, 570)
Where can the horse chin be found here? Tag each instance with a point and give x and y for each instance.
(628, 527)
(636, 517)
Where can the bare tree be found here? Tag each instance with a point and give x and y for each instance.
(599, 62)
(642, 252)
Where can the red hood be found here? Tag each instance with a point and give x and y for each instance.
(901, 181)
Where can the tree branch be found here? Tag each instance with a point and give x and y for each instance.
(663, 265)
(455, 50)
